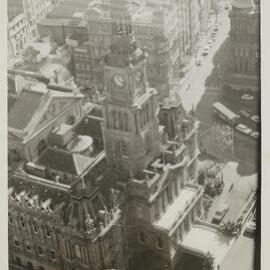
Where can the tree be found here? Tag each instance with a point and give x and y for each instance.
(231, 228)
(208, 262)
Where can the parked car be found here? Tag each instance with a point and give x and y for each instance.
(210, 42)
(250, 228)
(243, 129)
(255, 118)
(255, 134)
(220, 214)
(205, 51)
(198, 62)
(216, 28)
(244, 113)
(227, 6)
(247, 97)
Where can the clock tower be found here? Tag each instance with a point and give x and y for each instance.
(131, 129)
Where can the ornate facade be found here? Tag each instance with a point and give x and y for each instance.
(243, 69)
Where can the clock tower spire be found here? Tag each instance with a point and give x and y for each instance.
(131, 129)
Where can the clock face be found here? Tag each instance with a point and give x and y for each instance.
(139, 76)
(118, 81)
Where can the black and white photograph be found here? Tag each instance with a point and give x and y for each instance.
(133, 134)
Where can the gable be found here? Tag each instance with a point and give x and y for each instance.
(50, 111)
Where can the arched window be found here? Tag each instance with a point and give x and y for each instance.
(159, 243)
(126, 122)
(113, 119)
(120, 118)
(148, 144)
(22, 223)
(77, 251)
(124, 150)
(142, 237)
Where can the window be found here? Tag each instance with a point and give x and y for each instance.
(126, 125)
(156, 210)
(28, 248)
(18, 261)
(148, 144)
(124, 150)
(40, 251)
(10, 218)
(17, 243)
(52, 254)
(77, 251)
(22, 223)
(29, 266)
(48, 234)
(35, 228)
(159, 243)
(142, 237)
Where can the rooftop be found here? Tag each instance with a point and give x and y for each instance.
(64, 161)
(28, 103)
(202, 239)
(176, 209)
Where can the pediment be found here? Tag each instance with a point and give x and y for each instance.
(49, 112)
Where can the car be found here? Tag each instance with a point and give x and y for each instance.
(227, 6)
(243, 129)
(247, 97)
(250, 228)
(255, 118)
(210, 42)
(198, 62)
(205, 51)
(220, 214)
(244, 113)
(255, 134)
(216, 28)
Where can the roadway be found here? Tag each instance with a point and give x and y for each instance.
(205, 89)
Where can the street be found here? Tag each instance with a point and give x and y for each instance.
(205, 89)
(242, 168)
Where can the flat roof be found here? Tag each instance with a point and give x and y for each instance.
(202, 239)
(176, 209)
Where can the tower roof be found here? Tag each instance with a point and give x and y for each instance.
(124, 50)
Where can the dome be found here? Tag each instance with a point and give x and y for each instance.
(243, 4)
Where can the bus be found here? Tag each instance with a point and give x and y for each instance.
(225, 114)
